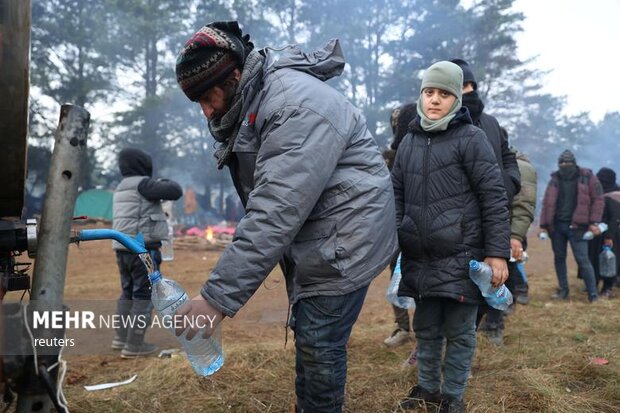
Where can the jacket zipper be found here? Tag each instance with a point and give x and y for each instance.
(425, 174)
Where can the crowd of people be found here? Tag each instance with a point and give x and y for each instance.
(321, 202)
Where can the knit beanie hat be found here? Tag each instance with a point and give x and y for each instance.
(468, 74)
(209, 56)
(567, 157)
(444, 75)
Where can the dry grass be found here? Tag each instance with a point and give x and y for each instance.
(544, 366)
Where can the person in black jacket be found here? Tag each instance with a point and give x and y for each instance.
(137, 210)
(451, 207)
(611, 237)
(507, 161)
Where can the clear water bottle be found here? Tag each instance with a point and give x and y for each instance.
(167, 249)
(481, 274)
(607, 262)
(544, 235)
(392, 291)
(205, 356)
(588, 235)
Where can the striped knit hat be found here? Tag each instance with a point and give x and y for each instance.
(209, 56)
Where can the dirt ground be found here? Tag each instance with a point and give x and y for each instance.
(545, 365)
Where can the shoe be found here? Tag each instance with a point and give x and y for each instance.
(419, 397)
(523, 299)
(118, 343)
(510, 310)
(450, 405)
(592, 298)
(607, 294)
(143, 350)
(495, 336)
(560, 294)
(398, 338)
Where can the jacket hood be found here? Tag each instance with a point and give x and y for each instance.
(135, 162)
(324, 63)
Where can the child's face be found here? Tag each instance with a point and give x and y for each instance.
(436, 103)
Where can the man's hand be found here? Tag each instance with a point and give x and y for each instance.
(500, 270)
(543, 234)
(516, 249)
(595, 229)
(197, 314)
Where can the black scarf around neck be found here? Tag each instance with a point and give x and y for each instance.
(474, 104)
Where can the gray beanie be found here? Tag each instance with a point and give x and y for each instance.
(446, 76)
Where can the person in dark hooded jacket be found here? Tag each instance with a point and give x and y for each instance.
(137, 210)
(317, 195)
(611, 237)
(451, 207)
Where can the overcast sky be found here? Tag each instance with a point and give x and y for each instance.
(579, 40)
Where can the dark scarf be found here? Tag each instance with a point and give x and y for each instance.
(472, 102)
(568, 173)
(225, 129)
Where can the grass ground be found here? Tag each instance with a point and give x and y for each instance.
(545, 365)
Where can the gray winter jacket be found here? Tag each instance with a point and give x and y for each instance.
(134, 214)
(317, 192)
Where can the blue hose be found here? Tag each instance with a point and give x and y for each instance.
(134, 245)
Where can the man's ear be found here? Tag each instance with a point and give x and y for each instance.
(237, 73)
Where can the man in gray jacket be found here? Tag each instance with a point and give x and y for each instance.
(317, 195)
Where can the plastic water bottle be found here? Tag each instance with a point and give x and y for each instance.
(205, 356)
(392, 291)
(588, 235)
(481, 274)
(607, 262)
(544, 235)
(167, 249)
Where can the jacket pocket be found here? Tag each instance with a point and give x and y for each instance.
(314, 252)
(409, 238)
(446, 233)
(159, 227)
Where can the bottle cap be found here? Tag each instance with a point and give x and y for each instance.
(154, 277)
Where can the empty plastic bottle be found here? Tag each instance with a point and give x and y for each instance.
(481, 274)
(607, 262)
(205, 356)
(167, 248)
(392, 291)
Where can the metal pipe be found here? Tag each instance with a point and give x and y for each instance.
(133, 245)
(54, 235)
(62, 185)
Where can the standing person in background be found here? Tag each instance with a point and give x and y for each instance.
(498, 139)
(521, 217)
(137, 209)
(611, 216)
(399, 120)
(317, 193)
(573, 204)
(450, 208)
